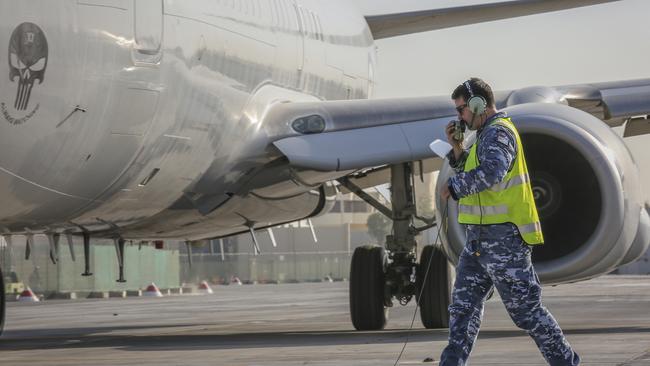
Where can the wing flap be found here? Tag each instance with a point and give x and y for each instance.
(392, 25)
(610, 100)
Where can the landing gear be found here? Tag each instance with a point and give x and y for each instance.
(434, 287)
(367, 296)
(372, 292)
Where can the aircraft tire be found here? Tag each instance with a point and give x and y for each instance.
(367, 282)
(435, 289)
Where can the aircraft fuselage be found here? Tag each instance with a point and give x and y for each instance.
(149, 115)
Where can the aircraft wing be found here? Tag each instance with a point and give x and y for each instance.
(365, 134)
(392, 25)
(610, 101)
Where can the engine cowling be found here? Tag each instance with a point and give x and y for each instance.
(587, 190)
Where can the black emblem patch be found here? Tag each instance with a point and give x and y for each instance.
(28, 55)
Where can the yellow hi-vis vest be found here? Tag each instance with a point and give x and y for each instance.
(508, 201)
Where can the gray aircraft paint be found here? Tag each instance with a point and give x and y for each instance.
(189, 104)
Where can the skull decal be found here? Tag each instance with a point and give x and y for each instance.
(27, 61)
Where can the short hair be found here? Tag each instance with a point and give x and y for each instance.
(479, 87)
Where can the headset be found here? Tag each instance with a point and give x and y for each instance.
(476, 103)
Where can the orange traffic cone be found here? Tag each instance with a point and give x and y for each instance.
(205, 288)
(152, 291)
(28, 296)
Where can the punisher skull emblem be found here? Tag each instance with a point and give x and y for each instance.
(27, 61)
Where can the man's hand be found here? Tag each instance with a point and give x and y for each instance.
(455, 144)
(445, 194)
(449, 131)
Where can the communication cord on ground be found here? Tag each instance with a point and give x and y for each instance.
(426, 275)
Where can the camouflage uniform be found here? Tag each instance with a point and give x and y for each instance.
(495, 255)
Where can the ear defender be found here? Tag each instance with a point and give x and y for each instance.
(476, 103)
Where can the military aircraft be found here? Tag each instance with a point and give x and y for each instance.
(150, 119)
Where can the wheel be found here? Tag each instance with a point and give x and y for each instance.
(435, 289)
(3, 301)
(367, 283)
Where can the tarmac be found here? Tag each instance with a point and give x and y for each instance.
(607, 320)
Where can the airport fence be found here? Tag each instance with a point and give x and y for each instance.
(142, 265)
(288, 254)
(281, 267)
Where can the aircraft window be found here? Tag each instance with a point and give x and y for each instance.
(148, 26)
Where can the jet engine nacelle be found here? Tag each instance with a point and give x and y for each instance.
(587, 189)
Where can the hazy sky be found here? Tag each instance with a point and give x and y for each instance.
(598, 43)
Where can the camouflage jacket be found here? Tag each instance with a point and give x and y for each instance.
(496, 152)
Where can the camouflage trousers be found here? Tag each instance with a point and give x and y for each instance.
(502, 261)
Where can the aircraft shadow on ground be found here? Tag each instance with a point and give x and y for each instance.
(83, 338)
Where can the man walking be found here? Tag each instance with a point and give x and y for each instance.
(496, 202)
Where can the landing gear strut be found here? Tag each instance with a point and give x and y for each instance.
(402, 277)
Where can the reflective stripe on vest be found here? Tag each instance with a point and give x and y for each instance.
(530, 228)
(485, 210)
(520, 179)
(510, 200)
